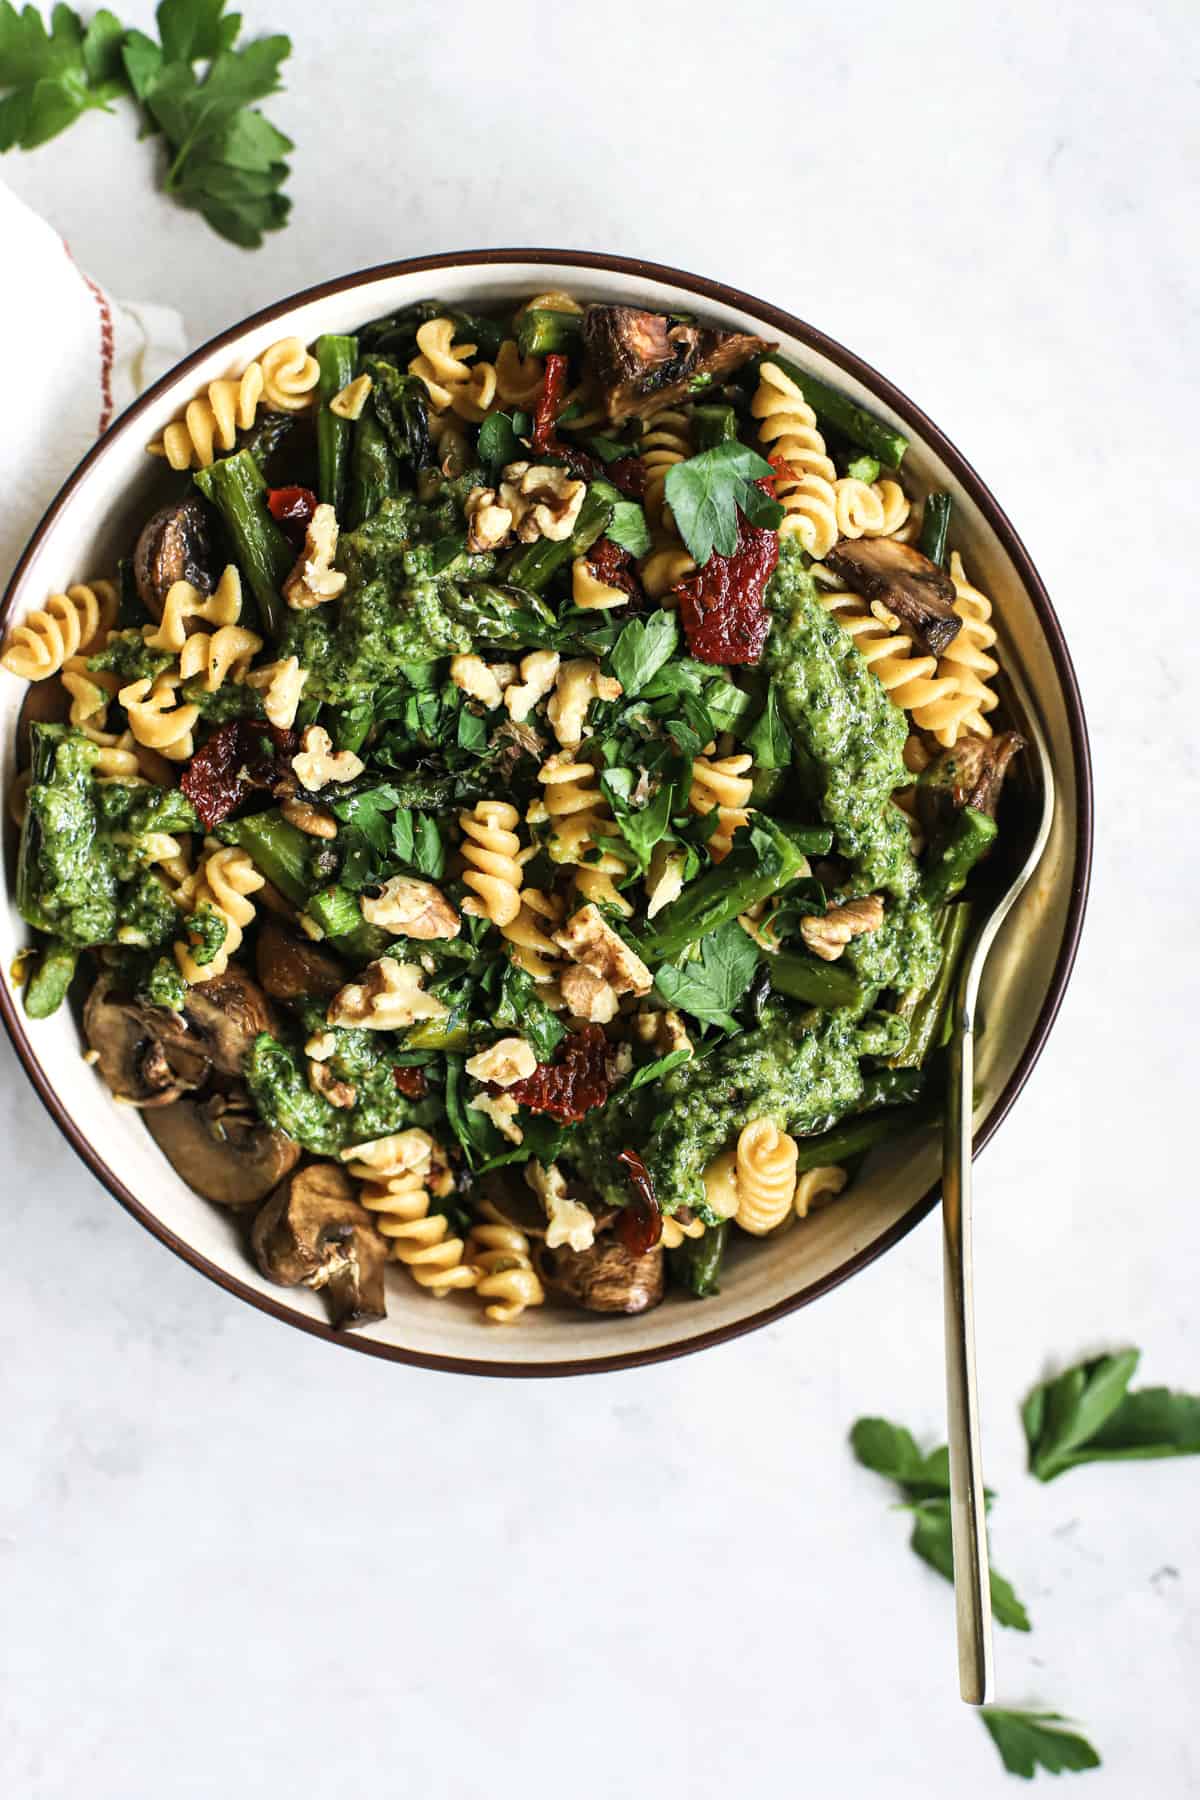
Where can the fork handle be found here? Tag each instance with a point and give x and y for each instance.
(968, 1517)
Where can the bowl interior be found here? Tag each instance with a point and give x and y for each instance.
(94, 521)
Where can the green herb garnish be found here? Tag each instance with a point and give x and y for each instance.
(706, 492)
(1088, 1415)
(1028, 1741)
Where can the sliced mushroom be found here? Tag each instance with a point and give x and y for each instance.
(226, 1015)
(906, 582)
(971, 774)
(174, 546)
(645, 360)
(293, 968)
(146, 1054)
(222, 1148)
(608, 1278)
(313, 1233)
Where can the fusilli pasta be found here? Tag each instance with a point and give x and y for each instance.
(285, 376)
(816, 1187)
(724, 783)
(518, 378)
(875, 509)
(223, 883)
(506, 1275)
(910, 679)
(766, 1176)
(577, 812)
(157, 718)
(185, 602)
(666, 441)
(218, 654)
(450, 379)
(70, 624)
(401, 1175)
(491, 852)
(966, 663)
(533, 949)
(788, 429)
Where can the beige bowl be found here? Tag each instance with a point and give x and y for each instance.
(94, 519)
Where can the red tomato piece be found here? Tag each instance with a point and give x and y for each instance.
(573, 1083)
(411, 1083)
(721, 605)
(237, 758)
(293, 508)
(640, 1225)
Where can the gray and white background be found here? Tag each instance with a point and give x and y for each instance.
(235, 1561)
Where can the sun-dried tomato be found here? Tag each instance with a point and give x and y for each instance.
(628, 476)
(293, 508)
(639, 1225)
(614, 566)
(243, 755)
(721, 605)
(550, 404)
(573, 1083)
(411, 1083)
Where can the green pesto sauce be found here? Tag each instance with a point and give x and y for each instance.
(277, 1077)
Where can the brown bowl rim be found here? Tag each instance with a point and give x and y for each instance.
(912, 414)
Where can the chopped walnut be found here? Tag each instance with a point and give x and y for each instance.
(388, 997)
(588, 996)
(480, 681)
(587, 939)
(579, 683)
(348, 402)
(317, 765)
(662, 1031)
(309, 819)
(411, 908)
(488, 524)
(828, 935)
(542, 501)
(322, 1080)
(282, 684)
(570, 1221)
(508, 1060)
(539, 671)
(501, 1109)
(314, 578)
(320, 1046)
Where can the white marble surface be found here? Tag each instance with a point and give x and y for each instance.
(236, 1561)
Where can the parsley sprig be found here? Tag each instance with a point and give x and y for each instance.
(196, 88)
(1028, 1741)
(1087, 1414)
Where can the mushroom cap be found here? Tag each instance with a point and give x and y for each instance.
(906, 582)
(222, 1148)
(227, 1015)
(293, 968)
(646, 360)
(606, 1278)
(174, 545)
(146, 1054)
(312, 1232)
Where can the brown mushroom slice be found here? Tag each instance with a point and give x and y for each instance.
(607, 1278)
(224, 1151)
(293, 968)
(313, 1233)
(144, 1053)
(226, 1015)
(970, 774)
(646, 360)
(174, 545)
(907, 583)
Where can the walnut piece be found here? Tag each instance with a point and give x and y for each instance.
(661, 1031)
(539, 671)
(388, 997)
(501, 1109)
(316, 765)
(481, 681)
(411, 908)
(664, 878)
(588, 996)
(282, 684)
(543, 502)
(348, 402)
(508, 1060)
(314, 578)
(309, 819)
(587, 939)
(322, 1080)
(488, 524)
(570, 1221)
(828, 935)
(579, 683)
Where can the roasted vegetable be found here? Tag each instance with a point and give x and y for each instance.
(643, 361)
(904, 581)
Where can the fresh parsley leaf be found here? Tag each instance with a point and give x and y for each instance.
(473, 1129)
(661, 1066)
(101, 49)
(403, 836)
(56, 75)
(710, 985)
(196, 30)
(472, 731)
(522, 1008)
(932, 1540)
(641, 650)
(1087, 1415)
(706, 492)
(608, 449)
(768, 739)
(641, 827)
(1028, 1741)
(628, 527)
(429, 855)
(499, 443)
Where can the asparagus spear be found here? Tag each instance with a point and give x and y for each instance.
(926, 1008)
(696, 1263)
(337, 358)
(713, 425)
(863, 1132)
(893, 1086)
(817, 983)
(401, 405)
(374, 477)
(543, 332)
(47, 987)
(236, 487)
(845, 415)
(744, 878)
(972, 836)
(863, 468)
(278, 850)
(935, 523)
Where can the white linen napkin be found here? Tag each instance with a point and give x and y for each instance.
(74, 358)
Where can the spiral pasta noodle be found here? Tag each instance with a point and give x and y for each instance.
(577, 811)
(816, 1187)
(870, 509)
(451, 381)
(724, 784)
(805, 488)
(666, 441)
(285, 377)
(967, 664)
(911, 680)
(675, 1231)
(219, 654)
(70, 624)
(518, 378)
(766, 1176)
(554, 300)
(185, 602)
(91, 692)
(506, 1276)
(664, 568)
(491, 853)
(157, 718)
(401, 1174)
(533, 949)
(223, 882)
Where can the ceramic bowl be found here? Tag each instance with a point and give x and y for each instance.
(95, 518)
